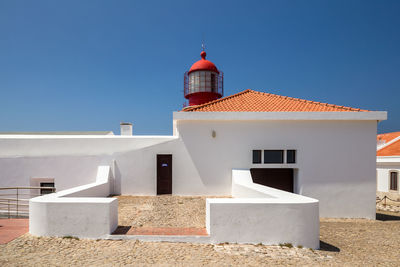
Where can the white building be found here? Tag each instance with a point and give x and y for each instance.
(388, 165)
(318, 150)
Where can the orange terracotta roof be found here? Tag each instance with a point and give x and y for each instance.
(253, 101)
(390, 150)
(387, 137)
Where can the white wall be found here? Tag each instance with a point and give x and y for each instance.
(260, 214)
(335, 159)
(383, 168)
(73, 161)
(67, 171)
(82, 211)
(383, 179)
(69, 160)
(135, 171)
(77, 145)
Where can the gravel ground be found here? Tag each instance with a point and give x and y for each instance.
(362, 242)
(344, 242)
(388, 205)
(391, 208)
(162, 211)
(32, 251)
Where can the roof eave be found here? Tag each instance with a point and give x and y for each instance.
(388, 160)
(342, 115)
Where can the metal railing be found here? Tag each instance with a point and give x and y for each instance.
(14, 201)
(378, 199)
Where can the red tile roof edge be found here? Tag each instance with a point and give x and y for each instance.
(193, 108)
(387, 137)
(393, 147)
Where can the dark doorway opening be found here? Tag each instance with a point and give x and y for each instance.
(277, 178)
(164, 174)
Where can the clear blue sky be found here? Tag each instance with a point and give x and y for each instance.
(87, 65)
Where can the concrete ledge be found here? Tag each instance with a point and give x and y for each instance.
(260, 214)
(74, 212)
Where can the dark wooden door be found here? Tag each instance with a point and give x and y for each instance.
(164, 174)
(277, 178)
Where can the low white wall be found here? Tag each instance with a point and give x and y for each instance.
(81, 211)
(260, 214)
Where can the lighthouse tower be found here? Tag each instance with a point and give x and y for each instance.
(203, 82)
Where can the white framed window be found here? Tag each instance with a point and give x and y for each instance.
(257, 156)
(45, 191)
(41, 182)
(290, 156)
(393, 180)
(273, 156)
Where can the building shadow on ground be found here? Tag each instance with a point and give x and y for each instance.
(387, 217)
(328, 247)
(121, 230)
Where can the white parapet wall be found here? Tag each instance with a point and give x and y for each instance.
(260, 214)
(82, 211)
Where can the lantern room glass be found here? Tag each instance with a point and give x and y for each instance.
(203, 81)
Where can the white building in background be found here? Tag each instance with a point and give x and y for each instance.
(388, 165)
(323, 153)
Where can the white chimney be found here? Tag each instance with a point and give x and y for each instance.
(380, 143)
(126, 128)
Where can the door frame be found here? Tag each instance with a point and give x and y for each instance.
(158, 180)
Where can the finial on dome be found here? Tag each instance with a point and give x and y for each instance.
(203, 54)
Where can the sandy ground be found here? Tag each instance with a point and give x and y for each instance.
(161, 211)
(391, 206)
(344, 242)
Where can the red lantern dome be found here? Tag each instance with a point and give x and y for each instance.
(203, 64)
(203, 82)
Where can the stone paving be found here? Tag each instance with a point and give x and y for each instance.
(391, 208)
(32, 251)
(344, 242)
(12, 228)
